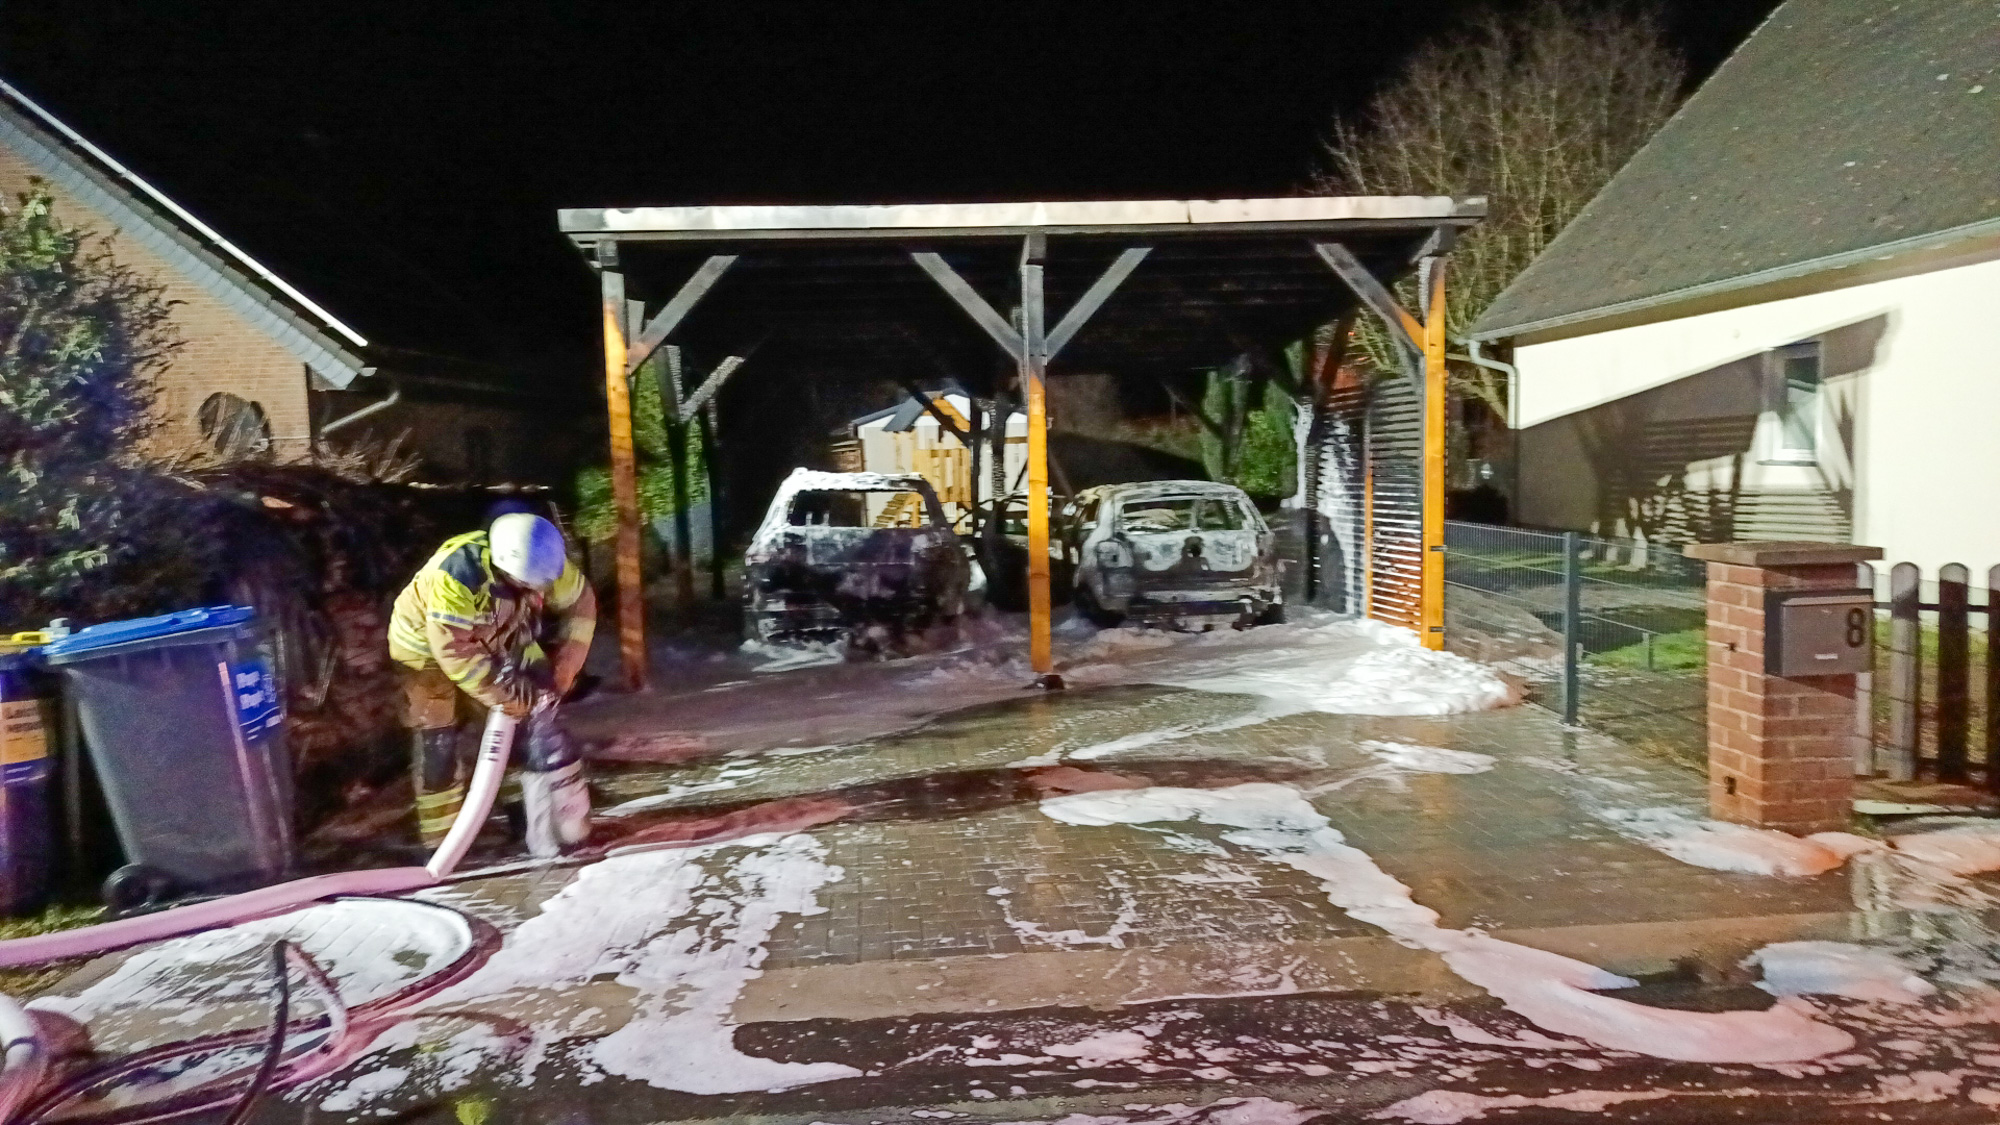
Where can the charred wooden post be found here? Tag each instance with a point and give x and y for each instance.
(677, 455)
(624, 472)
(705, 415)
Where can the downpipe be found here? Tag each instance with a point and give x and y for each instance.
(88, 941)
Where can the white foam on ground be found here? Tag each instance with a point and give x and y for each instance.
(685, 930)
(1556, 993)
(368, 946)
(1030, 932)
(1228, 1111)
(1838, 968)
(1448, 1107)
(792, 655)
(1967, 849)
(439, 1056)
(364, 1088)
(1427, 759)
(1389, 675)
(1146, 738)
(1102, 1047)
(1720, 846)
(729, 778)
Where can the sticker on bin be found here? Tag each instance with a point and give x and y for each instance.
(24, 744)
(257, 707)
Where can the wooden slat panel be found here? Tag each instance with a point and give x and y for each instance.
(1904, 670)
(1953, 673)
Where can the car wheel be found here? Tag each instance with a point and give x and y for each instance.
(1097, 615)
(136, 886)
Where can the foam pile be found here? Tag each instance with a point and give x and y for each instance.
(1968, 849)
(1838, 968)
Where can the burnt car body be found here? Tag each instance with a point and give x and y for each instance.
(1183, 554)
(853, 554)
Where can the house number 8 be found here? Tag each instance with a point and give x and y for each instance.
(1857, 628)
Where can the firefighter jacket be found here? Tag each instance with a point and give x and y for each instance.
(483, 632)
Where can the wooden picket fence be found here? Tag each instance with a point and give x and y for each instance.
(1933, 706)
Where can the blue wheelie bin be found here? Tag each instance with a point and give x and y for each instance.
(26, 830)
(182, 717)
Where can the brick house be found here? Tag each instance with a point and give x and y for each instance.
(264, 367)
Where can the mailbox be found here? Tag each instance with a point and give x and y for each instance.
(1819, 632)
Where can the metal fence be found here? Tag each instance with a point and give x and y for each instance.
(1609, 633)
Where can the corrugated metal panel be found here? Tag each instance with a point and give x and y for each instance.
(1395, 497)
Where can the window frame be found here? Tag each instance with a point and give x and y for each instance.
(1779, 449)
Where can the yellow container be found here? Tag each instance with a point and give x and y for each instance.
(19, 642)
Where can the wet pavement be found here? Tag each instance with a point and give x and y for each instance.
(969, 941)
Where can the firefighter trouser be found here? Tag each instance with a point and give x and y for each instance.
(433, 709)
(435, 712)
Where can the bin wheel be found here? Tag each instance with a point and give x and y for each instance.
(136, 886)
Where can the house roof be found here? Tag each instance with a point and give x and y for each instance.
(1841, 131)
(334, 292)
(322, 342)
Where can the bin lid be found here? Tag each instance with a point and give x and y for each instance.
(18, 660)
(81, 644)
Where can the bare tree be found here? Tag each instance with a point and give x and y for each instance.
(1533, 109)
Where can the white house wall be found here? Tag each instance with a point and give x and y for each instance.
(1910, 425)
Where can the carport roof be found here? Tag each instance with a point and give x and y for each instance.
(837, 286)
(902, 220)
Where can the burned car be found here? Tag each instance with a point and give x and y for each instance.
(1183, 554)
(865, 556)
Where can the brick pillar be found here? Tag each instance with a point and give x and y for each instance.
(1779, 751)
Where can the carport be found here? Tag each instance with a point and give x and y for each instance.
(1128, 288)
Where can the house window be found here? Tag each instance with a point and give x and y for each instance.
(234, 427)
(1793, 378)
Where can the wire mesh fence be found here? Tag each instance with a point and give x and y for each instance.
(1609, 633)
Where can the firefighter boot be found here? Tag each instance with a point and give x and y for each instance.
(557, 807)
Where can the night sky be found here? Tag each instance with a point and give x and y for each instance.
(404, 160)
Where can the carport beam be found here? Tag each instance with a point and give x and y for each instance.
(624, 473)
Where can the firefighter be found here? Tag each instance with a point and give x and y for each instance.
(469, 634)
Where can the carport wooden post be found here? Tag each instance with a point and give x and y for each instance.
(1034, 372)
(1431, 595)
(1031, 344)
(624, 472)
